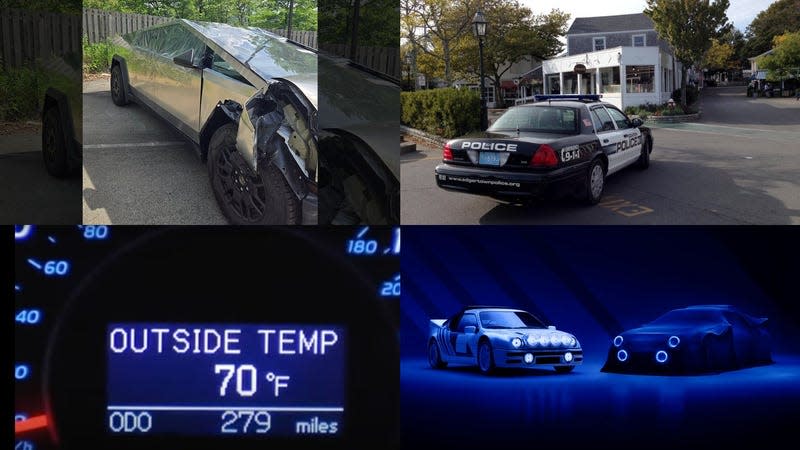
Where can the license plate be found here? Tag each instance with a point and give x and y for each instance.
(489, 158)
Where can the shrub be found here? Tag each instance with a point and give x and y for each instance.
(20, 91)
(97, 57)
(445, 112)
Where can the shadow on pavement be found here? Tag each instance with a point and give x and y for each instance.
(29, 195)
(701, 206)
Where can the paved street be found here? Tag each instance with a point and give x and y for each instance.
(137, 170)
(28, 194)
(739, 165)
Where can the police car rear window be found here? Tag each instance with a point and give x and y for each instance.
(543, 119)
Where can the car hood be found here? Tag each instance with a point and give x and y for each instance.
(523, 332)
(648, 335)
(260, 56)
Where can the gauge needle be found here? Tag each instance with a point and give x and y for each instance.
(32, 423)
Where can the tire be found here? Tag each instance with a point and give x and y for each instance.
(595, 182)
(244, 196)
(644, 158)
(485, 357)
(434, 357)
(54, 146)
(119, 92)
(564, 369)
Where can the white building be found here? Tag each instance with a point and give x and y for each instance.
(624, 60)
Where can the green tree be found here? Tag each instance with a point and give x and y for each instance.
(272, 14)
(785, 59)
(735, 39)
(719, 56)
(781, 17)
(513, 34)
(434, 27)
(689, 26)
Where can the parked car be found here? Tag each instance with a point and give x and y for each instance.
(703, 338)
(492, 337)
(561, 143)
(247, 99)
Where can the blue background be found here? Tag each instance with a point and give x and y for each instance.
(595, 282)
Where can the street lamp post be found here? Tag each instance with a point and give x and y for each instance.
(479, 28)
(409, 62)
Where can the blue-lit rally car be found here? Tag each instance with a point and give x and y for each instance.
(696, 339)
(500, 337)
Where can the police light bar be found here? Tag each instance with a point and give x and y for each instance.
(580, 98)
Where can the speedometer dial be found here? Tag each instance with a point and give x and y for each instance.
(206, 337)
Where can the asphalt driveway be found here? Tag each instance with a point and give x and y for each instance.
(137, 169)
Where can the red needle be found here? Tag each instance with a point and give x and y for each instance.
(33, 423)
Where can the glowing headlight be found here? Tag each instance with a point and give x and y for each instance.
(617, 341)
(568, 357)
(661, 356)
(622, 355)
(531, 340)
(573, 342)
(674, 341)
(528, 358)
(554, 339)
(543, 340)
(516, 342)
(565, 340)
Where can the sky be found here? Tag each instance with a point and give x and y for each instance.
(740, 12)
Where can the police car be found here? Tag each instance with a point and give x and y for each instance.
(558, 143)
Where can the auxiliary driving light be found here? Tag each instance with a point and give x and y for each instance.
(568, 357)
(528, 358)
(531, 340)
(661, 356)
(622, 355)
(674, 341)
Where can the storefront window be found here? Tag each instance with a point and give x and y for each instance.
(639, 79)
(609, 77)
(570, 83)
(552, 84)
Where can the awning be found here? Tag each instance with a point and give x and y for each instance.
(507, 84)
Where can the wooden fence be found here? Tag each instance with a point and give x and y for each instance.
(307, 38)
(99, 25)
(26, 36)
(385, 60)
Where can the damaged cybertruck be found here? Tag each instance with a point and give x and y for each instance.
(247, 100)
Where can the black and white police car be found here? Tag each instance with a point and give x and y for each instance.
(558, 143)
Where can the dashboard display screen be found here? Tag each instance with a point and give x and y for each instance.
(226, 379)
(141, 338)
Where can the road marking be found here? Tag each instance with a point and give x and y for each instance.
(135, 144)
(624, 207)
(752, 133)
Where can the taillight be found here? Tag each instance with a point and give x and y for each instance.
(447, 154)
(545, 156)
